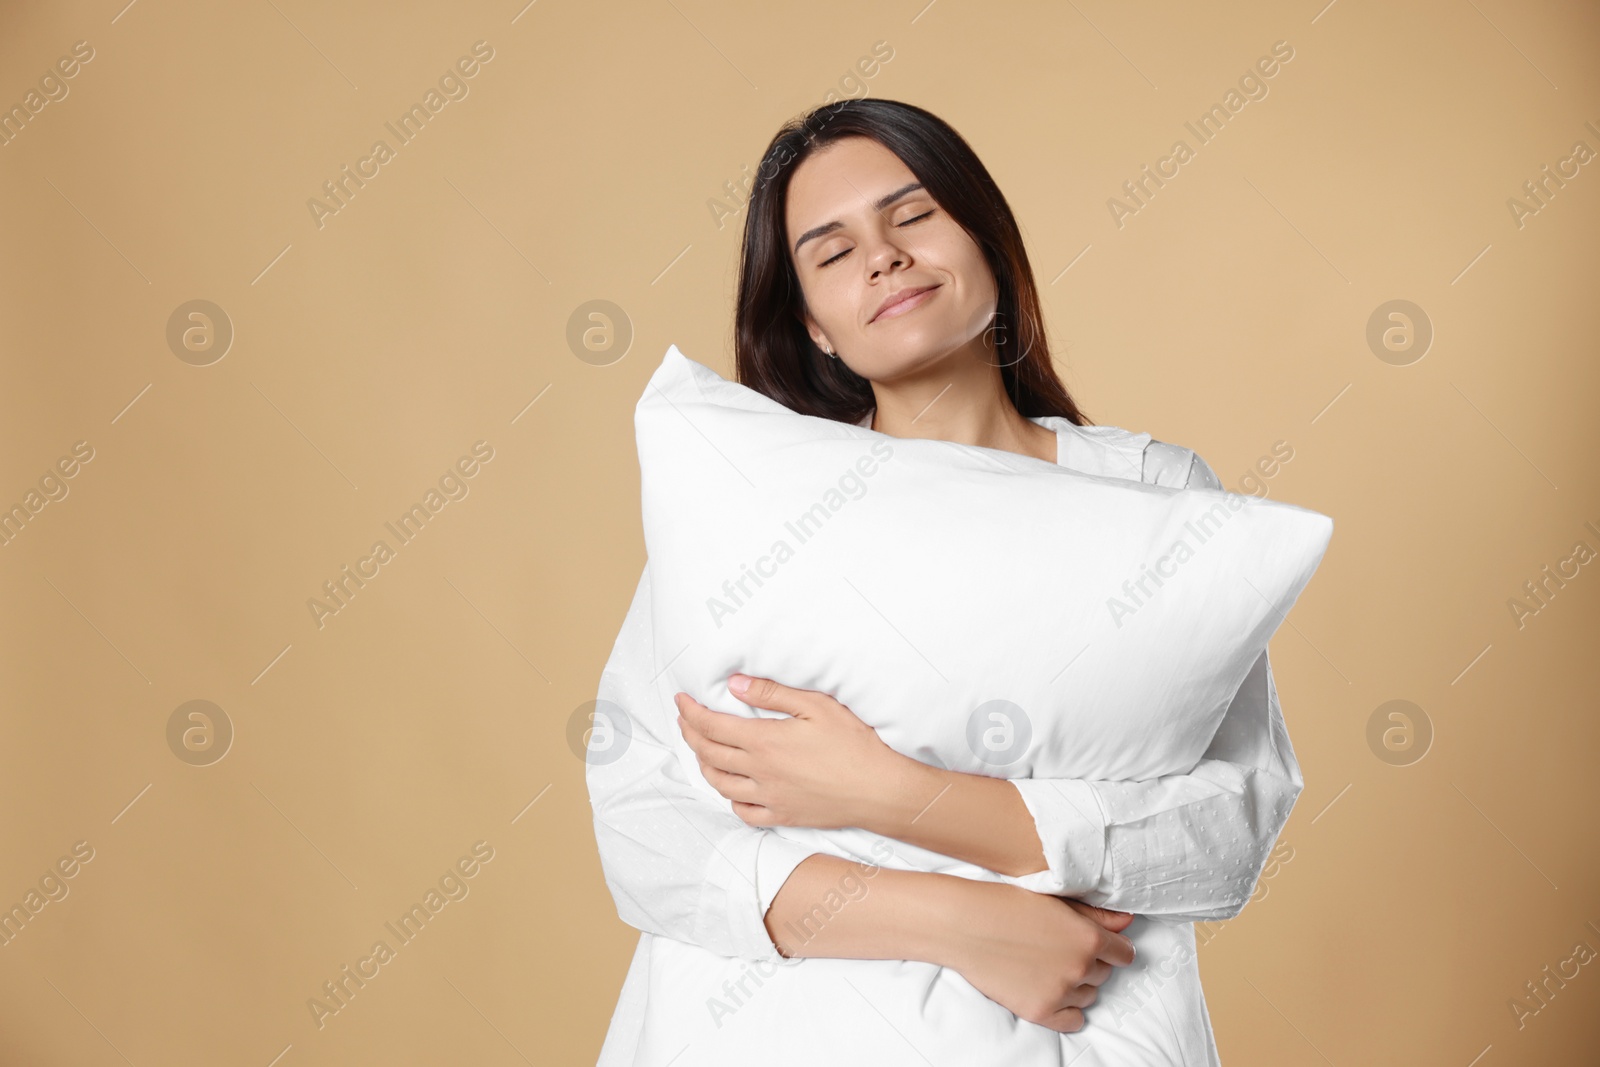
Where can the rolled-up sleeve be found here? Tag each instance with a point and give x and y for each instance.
(1072, 828)
(1183, 847)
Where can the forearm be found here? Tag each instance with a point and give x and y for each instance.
(969, 817)
(831, 907)
(1183, 846)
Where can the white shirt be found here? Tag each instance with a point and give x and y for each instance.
(682, 867)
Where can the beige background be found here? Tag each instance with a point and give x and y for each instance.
(432, 311)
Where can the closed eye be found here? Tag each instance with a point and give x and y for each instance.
(908, 222)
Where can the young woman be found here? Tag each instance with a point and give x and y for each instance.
(883, 282)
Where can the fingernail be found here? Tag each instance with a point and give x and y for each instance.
(738, 683)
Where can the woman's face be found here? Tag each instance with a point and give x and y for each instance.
(860, 229)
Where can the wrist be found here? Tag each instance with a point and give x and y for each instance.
(932, 914)
(899, 793)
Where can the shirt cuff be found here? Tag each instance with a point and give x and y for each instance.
(732, 911)
(776, 858)
(1071, 826)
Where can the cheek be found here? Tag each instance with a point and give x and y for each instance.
(976, 277)
(957, 255)
(832, 297)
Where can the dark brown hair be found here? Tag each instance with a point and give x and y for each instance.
(773, 353)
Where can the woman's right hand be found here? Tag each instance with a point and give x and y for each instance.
(1042, 957)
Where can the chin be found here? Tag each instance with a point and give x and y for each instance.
(911, 355)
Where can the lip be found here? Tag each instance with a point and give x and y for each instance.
(904, 300)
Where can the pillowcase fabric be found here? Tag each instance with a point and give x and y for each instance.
(982, 610)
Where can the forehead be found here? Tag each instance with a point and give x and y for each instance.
(841, 181)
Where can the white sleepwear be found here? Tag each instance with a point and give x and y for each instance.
(1177, 849)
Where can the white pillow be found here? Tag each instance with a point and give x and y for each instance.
(984, 611)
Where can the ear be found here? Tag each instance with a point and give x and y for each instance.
(817, 337)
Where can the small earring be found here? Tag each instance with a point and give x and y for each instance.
(830, 352)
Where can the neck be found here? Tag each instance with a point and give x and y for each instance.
(968, 406)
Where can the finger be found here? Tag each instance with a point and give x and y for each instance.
(1082, 997)
(765, 693)
(720, 726)
(725, 758)
(1115, 949)
(1065, 1021)
(1116, 921)
(754, 814)
(1098, 972)
(706, 749)
(733, 786)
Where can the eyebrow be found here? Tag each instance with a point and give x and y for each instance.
(883, 202)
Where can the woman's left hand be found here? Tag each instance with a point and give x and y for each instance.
(821, 767)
